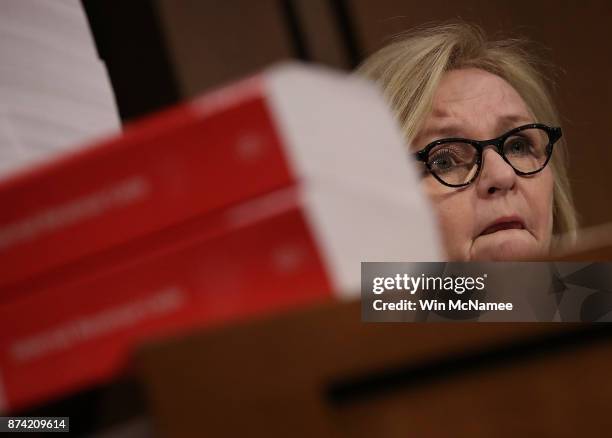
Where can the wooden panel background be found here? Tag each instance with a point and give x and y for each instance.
(215, 42)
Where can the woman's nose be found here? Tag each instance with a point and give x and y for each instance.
(495, 175)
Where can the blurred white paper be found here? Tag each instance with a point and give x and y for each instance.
(55, 93)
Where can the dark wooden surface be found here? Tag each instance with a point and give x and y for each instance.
(321, 372)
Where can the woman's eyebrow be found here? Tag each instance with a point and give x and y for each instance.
(445, 130)
(511, 121)
(440, 131)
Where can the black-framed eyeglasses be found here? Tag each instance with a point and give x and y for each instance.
(456, 162)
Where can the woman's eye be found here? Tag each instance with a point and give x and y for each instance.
(518, 146)
(443, 160)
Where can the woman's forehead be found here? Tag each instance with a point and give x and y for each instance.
(475, 92)
(473, 102)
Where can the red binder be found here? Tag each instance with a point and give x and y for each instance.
(63, 338)
(169, 168)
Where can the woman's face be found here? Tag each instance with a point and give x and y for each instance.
(501, 215)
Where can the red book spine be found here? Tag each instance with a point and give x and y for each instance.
(175, 166)
(61, 339)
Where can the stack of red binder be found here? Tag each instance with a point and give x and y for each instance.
(263, 195)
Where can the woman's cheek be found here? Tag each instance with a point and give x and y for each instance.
(454, 221)
(454, 215)
(540, 202)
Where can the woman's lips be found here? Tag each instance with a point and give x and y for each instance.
(504, 224)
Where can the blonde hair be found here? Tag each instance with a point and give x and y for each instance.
(410, 69)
